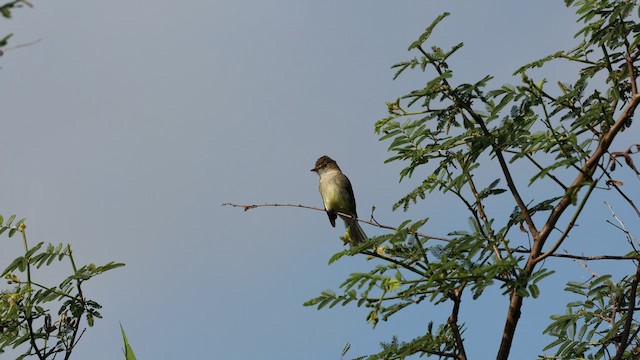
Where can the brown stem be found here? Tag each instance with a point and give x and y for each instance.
(587, 258)
(513, 315)
(630, 69)
(370, 222)
(453, 323)
(624, 341)
(399, 263)
(570, 226)
(481, 212)
(80, 299)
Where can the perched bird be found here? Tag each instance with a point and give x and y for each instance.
(337, 196)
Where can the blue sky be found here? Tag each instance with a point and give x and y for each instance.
(130, 123)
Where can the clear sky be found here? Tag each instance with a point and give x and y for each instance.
(129, 124)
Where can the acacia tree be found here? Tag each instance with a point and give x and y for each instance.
(455, 129)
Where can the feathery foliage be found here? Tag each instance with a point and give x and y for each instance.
(457, 131)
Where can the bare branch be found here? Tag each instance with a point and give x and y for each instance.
(4, 50)
(630, 238)
(588, 258)
(371, 222)
(584, 265)
(615, 184)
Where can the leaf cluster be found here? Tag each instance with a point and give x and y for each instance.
(28, 315)
(6, 11)
(593, 324)
(8, 7)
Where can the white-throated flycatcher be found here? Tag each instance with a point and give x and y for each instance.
(337, 196)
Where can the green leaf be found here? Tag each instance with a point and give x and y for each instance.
(600, 279)
(425, 35)
(337, 256)
(128, 351)
(534, 290)
(33, 250)
(14, 265)
(538, 63)
(20, 222)
(12, 231)
(6, 12)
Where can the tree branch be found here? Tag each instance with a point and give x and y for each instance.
(570, 225)
(587, 258)
(624, 341)
(28, 313)
(629, 62)
(536, 164)
(485, 220)
(370, 222)
(8, 48)
(614, 183)
(453, 322)
(392, 260)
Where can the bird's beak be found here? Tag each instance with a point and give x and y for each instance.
(314, 169)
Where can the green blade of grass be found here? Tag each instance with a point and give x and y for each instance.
(128, 351)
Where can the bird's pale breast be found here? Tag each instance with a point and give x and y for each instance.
(334, 192)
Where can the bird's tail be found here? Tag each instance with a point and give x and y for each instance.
(355, 231)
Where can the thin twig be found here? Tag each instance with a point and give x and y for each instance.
(613, 184)
(28, 313)
(4, 50)
(630, 238)
(481, 212)
(80, 299)
(584, 265)
(569, 226)
(422, 249)
(548, 173)
(588, 258)
(399, 263)
(370, 222)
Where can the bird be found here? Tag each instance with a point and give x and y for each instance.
(337, 196)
